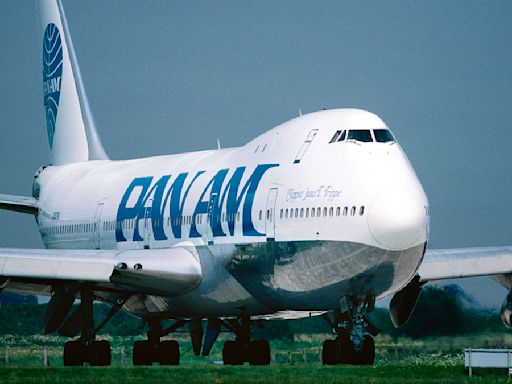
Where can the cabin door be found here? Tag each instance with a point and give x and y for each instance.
(305, 146)
(96, 230)
(270, 214)
(147, 225)
(211, 219)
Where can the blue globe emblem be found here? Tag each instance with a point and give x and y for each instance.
(52, 75)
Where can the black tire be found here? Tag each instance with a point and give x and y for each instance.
(142, 353)
(233, 353)
(346, 352)
(168, 352)
(330, 355)
(100, 354)
(368, 352)
(259, 352)
(74, 354)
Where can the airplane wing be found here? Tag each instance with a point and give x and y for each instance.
(23, 204)
(465, 262)
(440, 264)
(170, 271)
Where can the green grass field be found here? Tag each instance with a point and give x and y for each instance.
(436, 360)
(274, 374)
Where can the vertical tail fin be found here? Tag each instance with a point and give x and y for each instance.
(71, 132)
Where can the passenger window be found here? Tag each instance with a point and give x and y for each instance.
(325, 211)
(345, 211)
(338, 210)
(302, 212)
(361, 211)
(296, 212)
(331, 211)
(353, 211)
(383, 135)
(307, 212)
(281, 214)
(286, 213)
(364, 136)
(318, 211)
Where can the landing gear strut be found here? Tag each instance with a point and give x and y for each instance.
(354, 342)
(242, 349)
(152, 350)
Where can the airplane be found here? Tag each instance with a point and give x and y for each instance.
(319, 216)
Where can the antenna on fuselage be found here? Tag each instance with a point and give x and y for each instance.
(218, 143)
(300, 112)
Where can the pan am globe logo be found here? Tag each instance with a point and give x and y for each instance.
(52, 74)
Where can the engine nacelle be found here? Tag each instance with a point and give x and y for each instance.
(403, 302)
(506, 310)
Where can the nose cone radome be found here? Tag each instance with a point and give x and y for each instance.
(397, 218)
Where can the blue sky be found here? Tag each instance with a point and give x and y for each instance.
(173, 76)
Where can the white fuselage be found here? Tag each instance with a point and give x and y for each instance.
(289, 221)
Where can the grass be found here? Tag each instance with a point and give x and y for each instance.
(388, 373)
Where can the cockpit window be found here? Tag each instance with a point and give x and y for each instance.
(335, 137)
(360, 135)
(383, 135)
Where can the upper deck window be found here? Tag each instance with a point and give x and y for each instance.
(364, 135)
(383, 135)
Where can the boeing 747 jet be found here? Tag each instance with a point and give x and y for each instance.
(319, 216)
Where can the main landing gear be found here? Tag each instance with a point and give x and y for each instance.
(354, 343)
(235, 352)
(153, 350)
(242, 349)
(87, 349)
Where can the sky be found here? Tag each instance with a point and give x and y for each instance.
(173, 76)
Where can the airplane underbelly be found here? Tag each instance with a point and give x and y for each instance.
(315, 275)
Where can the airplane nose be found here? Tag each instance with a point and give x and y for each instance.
(397, 218)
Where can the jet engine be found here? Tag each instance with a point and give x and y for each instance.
(403, 302)
(506, 310)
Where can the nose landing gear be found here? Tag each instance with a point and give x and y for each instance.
(354, 342)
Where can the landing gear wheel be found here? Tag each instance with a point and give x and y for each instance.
(168, 352)
(74, 354)
(330, 353)
(100, 354)
(368, 351)
(346, 352)
(259, 352)
(233, 353)
(142, 353)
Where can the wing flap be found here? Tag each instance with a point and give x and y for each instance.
(23, 204)
(465, 262)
